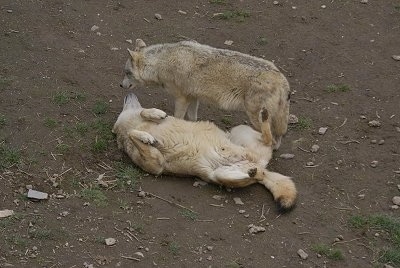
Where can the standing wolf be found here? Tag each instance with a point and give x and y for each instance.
(167, 145)
(234, 81)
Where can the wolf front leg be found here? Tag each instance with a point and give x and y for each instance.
(181, 106)
(146, 156)
(192, 110)
(265, 123)
(153, 114)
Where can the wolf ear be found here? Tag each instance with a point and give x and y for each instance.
(139, 44)
(132, 53)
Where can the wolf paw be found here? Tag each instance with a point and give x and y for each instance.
(252, 172)
(148, 139)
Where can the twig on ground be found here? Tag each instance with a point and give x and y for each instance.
(204, 220)
(216, 205)
(343, 208)
(344, 242)
(170, 202)
(344, 122)
(130, 258)
(350, 141)
(304, 150)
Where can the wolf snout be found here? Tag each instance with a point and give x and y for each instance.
(126, 86)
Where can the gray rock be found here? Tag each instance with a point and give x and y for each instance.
(158, 16)
(396, 200)
(37, 195)
(110, 241)
(238, 201)
(218, 197)
(314, 148)
(381, 142)
(374, 123)
(293, 119)
(6, 213)
(374, 164)
(94, 28)
(276, 3)
(322, 130)
(253, 229)
(398, 129)
(286, 156)
(396, 57)
(302, 254)
(364, 1)
(199, 183)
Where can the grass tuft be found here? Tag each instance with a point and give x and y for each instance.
(338, 88)
(329, 252)
(100, 107)
(8, 156)
(127, 175)
(304, 123)
(94, 195)
(174, 248)
(3, 120)
(50, 123)
(236, 14)
(189, 214)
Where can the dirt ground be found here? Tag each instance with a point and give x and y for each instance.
(60, 95)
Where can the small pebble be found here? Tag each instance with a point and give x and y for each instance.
(293, 7)
(302, 254)
(242, 211)
(199, 183)
(158, 16)
(323, 6)
(322, 130)
(182, 12)
(129, 41)
(293, 119)
(374, 123)
(381, 142)
(314, 148)
(94, 28)
(228, 42)
(218, 197)
(336, 239)
(364, 1)
(286, 156)
(395, 207)
(374, 164)
(238, 201)
(363, 117)
(210, 248)
(340, 237)
(276, 3)
(310, 164)
(361, 196)
(396, 57)
(142, 194)
(396, 200)
(374, 141)
(398, 129)
(110, 241)
(253, 229)
(9, 11)
(209, 258)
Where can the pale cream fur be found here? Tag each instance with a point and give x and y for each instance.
(232, 80)
(162, 144)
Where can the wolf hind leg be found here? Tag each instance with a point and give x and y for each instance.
(282, 187)
(146, 155)
(181, 106)
(266, 132)
(232, 176)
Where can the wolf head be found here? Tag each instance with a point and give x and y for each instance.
(131, 77)
(126, 118)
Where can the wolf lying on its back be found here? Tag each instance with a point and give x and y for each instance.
(234, 81)
(160, 144)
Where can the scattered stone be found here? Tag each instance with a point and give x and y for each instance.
(293, 119)
(140, 254)
(129, 41)
(374, 123)
(199, 183)
(228, 42)
(64, 213)
(276, 3)
(322, 130)
(242, 211)
(28, 186)
(294, 7)
(319, 255)
(86, 204)
(361, 196)
(34, 248)
(210, 248)
(286, 156)
(336, 239)
(238, 201)
(310, 164)
(158, 16)
(395, 207)
(374, 141)
(253, 229)
(218, 197)
(9, 11)
(363, 117)
(37, 195)
(364, 1)
(398, 129)
(302, 254)
(142, 194)
(110, 241)
(209, 258)
(314, 148)
(323, 6)
(94, 28)
(182, 12)
(396, 200)
(374, 164)
(247, 215)
(114, 48)
(340, 237)
(88, 265)
(396, 57)
(6, 213)
(381, 142)
(376, 234)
